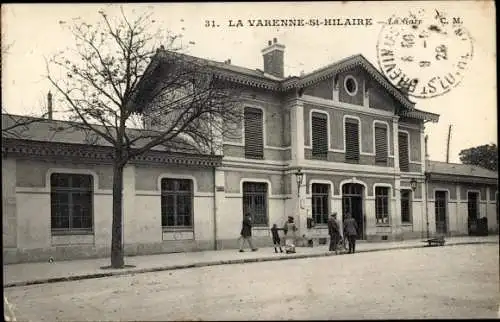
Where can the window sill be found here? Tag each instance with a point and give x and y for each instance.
(254, 157)
(71, 232)
(383, 225)
(177, 229)
(406, 224)
(260, 227)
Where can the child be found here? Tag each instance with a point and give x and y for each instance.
(276, 238)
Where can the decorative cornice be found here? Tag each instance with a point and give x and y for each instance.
(101, 154)
(421, 115)
(247, 80)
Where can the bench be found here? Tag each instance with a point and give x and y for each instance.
(435, 241)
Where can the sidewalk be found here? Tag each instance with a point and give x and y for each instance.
(39, 273)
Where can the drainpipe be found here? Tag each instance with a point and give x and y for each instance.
(426, 180)
(215, 208)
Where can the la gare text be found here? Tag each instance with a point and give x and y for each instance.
(239, 23)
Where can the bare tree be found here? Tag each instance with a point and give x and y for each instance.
(106, 88)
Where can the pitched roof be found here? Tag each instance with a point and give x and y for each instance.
(458, 169)
(68, 132)
(259, 79)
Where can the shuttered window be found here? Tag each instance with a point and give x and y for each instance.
(319, 128)
(352, 140)
(254, 137)
(381, 144)
(404, 162)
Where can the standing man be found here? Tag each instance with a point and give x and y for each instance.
(246, 233)
(334, 232)
(351, 231)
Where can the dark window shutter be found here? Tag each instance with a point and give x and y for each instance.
(351, 140)
(319, 135)
(254, 138)
(404, 162)
(381, 144)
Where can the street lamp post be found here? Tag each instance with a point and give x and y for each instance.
(299, 176)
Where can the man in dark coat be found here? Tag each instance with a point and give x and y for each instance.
(351, 231)
(246, 233)
(334, 232)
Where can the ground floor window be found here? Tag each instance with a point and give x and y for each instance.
(176, 203)
(320, 201)
(255, 202)
(406, 206)
(382, 205)
(71, 199)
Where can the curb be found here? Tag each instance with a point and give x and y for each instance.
(215, 263)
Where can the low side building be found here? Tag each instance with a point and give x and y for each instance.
(458, 195)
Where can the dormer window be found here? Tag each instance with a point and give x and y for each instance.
(350, 85)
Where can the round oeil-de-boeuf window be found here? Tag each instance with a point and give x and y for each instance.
(350, 85)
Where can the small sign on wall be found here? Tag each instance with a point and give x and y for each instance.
(219, 188)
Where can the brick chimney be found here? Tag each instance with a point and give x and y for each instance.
(273, 56)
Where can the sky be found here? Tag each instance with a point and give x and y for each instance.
(33, 33)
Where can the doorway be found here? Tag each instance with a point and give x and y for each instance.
(440, 207)
(352, 202)
(472, 211)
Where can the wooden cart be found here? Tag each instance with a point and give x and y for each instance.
(436, 241)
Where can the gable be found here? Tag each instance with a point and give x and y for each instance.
(380, 99)
(378, 96)
(349, 63)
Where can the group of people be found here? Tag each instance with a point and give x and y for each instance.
(350, 234)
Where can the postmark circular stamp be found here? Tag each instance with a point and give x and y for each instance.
(425, 54)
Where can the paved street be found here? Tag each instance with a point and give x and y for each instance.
(441, 282)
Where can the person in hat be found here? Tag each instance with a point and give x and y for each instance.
(246, 233)
(334, 232)
(351, 232)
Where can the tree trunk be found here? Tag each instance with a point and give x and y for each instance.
(117, 260)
